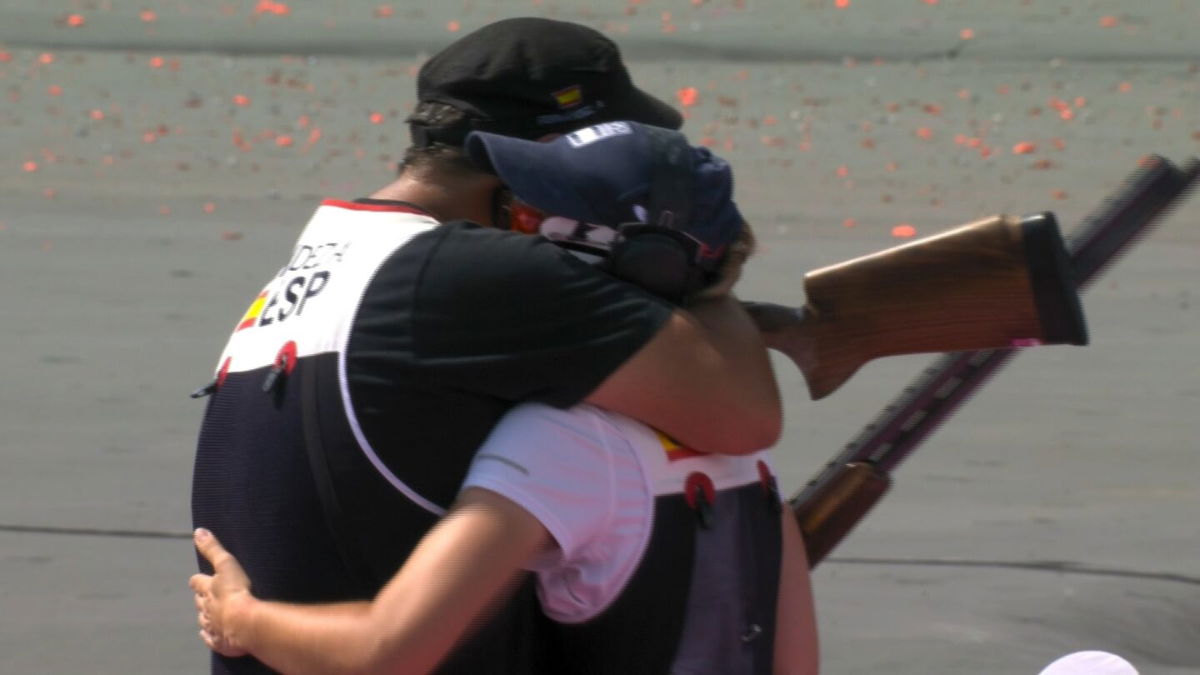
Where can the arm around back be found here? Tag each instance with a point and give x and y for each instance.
(462, 567)
(704, 378)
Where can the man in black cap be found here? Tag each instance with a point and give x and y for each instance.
(355, 390)
(651, 558)
(528, 78)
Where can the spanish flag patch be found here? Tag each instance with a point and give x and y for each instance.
(251, 315)
(569, 97)
(674, 450)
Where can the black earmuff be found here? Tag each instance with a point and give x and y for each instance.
(659, 259)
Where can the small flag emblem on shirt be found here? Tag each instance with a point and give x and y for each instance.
(674, 450)
(252, 314)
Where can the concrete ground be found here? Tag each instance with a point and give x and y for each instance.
(158, 158)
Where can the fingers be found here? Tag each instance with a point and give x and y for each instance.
(210, 592)
(206, 542)
(214, 642)
(201, 588)
(212, 636)
(207, 634)
(200, 583)
(227, 571)
(219, 645)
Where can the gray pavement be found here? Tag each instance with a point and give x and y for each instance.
(141, 200)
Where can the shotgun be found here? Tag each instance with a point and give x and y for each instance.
(854, 480)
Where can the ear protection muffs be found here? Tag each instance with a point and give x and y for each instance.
(658, 255)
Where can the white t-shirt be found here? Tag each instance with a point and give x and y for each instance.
(590, 477)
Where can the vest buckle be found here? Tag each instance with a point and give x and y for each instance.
(212, 387)
(285, 363)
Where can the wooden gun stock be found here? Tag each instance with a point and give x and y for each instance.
(996, 283)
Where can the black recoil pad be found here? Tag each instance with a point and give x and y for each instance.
(1052, 277)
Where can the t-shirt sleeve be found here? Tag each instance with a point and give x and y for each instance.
(516, 317)
(556, 465)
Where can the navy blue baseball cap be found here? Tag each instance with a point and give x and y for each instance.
(604, 175)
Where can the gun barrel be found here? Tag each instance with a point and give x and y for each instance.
(827, 516)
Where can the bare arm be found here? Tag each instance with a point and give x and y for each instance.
(797, 649)
(465, 564)
(705, 378)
